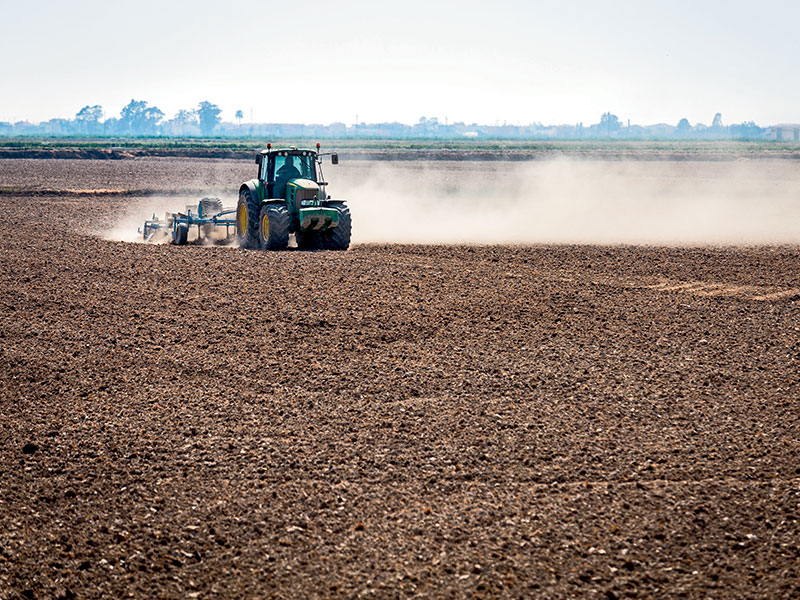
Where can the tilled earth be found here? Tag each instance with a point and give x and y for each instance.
(392, 421)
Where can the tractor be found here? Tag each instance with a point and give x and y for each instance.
(288, 196)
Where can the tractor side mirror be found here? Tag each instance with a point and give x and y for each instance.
(259, 158)
(334, 159)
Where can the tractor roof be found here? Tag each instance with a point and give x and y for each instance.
(290, 150)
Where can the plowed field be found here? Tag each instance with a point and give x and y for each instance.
(391, 421)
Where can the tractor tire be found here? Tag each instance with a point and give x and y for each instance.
(308, 240)
(208, 207)
(338, 238)
(181, 234)
(247, 219)
(273, 230)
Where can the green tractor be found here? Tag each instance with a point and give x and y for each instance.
(289, 197)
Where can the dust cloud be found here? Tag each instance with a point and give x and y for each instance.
(546, 201)
(572, 201)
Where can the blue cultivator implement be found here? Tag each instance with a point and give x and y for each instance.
(207, 215)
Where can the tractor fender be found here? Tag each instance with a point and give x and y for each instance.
(258, 190)
(254, 187)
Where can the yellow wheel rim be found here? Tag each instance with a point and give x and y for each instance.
(265, 227)
(241, 220)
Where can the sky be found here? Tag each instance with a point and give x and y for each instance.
(503, 61)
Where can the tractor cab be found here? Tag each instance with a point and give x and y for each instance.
(276, 168)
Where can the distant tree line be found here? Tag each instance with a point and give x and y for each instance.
(138, 118)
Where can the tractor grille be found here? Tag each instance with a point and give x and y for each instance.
(303, 195)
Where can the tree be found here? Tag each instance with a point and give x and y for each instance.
(139, 119)
(239, 116)
(209, 116)
(609, 123)
(717, 122)
(88, 118)
(684, 125)
(186, 117)
(182, 123)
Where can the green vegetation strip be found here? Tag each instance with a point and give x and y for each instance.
(387, 148)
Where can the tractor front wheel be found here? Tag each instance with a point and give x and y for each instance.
(338, 238)
(247, 219)
(273, 232)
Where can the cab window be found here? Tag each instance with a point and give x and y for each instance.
(292, 166)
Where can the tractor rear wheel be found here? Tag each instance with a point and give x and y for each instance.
(273, 231)
(247, 218)
(338, 238)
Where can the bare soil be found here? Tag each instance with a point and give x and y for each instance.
(391, 421)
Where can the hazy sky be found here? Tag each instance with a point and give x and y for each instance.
(308, 61)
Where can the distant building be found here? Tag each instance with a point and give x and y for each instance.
(785, 132)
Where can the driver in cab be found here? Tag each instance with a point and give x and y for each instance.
(285, 173)
(288, 170)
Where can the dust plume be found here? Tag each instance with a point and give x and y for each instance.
(548, 201)
(573, 201)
